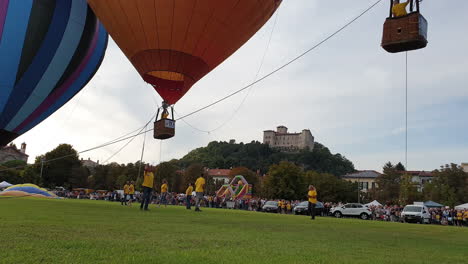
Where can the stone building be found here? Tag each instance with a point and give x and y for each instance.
(90, 164)
(285, 141)
(11, 152)
(365, 178)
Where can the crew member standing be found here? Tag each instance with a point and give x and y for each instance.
(312, 195)
(125, 190)
(148, 182)
(131, 192)
(188, 196)
(164, 188)
(199, 189)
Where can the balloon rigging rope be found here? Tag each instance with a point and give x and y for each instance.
(286, 64)
(122, 138)
(406, 110)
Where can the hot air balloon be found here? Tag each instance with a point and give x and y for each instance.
(404, 31)
(174, 43)
(49, 50)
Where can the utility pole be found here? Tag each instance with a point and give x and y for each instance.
(42, 165)
(358, 192)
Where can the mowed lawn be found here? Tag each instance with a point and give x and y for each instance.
(83, 231)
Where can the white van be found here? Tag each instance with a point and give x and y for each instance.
(416, 213)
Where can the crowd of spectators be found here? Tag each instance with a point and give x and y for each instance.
(390, 213)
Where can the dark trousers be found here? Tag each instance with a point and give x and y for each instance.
(146, 197)
(123, 199)
(312, 210)
(188, 201)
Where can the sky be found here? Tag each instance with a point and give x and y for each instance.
(349, 92)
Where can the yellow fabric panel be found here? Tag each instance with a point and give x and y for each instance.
(173, 76)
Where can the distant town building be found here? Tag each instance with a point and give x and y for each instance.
(367, 179)
(419, 178)
(89, 163)
(464, 167)
(219, 174)
(285, 141)
(11, 152)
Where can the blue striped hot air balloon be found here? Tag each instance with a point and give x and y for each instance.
(49, 50)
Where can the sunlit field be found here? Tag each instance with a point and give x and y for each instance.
(83, 231)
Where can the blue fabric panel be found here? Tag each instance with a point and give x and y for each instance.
(59, 63)
(79, 83)
(14, 31)
(41, 61)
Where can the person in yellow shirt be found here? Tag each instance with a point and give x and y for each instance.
(288, 207)
(280, 205)
(399, 9)
(312, 196)
(164, 188)
(148, 182)
(131, 192)
(465, 217)
(188, 196)
(124, 197)
(459, 218)
(199, 189)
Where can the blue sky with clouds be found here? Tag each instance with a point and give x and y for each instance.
(349, 92)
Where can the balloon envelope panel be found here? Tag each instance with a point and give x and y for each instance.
(49, 51)
(27, 190)
(174, 43)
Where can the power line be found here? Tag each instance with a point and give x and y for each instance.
(131, 139)
(286, 64)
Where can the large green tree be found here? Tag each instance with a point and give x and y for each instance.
(62, 167)
(286, 181)
(388, 190)
(330, 188)
(449, 186)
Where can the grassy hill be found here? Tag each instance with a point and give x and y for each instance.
(83, 231)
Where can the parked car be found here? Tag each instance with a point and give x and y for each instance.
(416, 213)
(303, 208)
(351, 209)
(271, 207)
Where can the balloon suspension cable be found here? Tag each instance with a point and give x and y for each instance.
(142, 153)
(406, 110)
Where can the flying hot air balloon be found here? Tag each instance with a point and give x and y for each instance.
(49, 50)
(174, 43)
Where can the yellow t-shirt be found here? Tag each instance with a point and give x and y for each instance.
(399, 9)
(148, 179)
(199, 184)
(312, 199)
(288, 206)
(164, 188)
(280, 204)
(189, 190)
(131, 189)
(459, 216)
(126, 188)
(466, 215)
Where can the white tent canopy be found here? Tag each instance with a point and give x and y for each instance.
(374, 203)
(5, 184)
(461, 206)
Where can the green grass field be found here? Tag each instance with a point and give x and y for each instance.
(83, 231)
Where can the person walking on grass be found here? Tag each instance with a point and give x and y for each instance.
(131, 192)
(188, 196)
(312, 195)
(148, 182)
(199, 189)
(125, 192)
(164, 188)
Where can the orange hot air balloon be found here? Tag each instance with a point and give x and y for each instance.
(174, 43)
